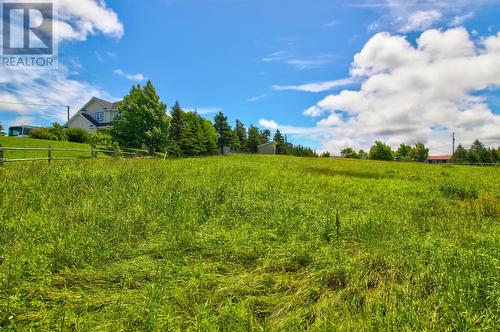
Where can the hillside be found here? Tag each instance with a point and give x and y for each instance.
(24, 142)
(249, 242)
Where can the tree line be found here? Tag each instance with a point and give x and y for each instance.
(144, 121)
(382, 151)
(477, 154)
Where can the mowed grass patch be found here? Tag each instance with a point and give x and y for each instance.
(24, 142)
(248, 243)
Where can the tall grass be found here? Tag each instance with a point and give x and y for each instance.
(249, 243)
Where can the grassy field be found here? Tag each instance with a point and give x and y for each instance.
(249, 243)
(18, 142)
(22, 142)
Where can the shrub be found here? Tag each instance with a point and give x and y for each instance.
(117, 151)
(77, 135)
(99, 140)
(58, 132)
(41, 133)
(458, 191)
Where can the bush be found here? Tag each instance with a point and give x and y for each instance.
(58, 132)
(98, 139)
(41, 133)
(458, 191)
(77, 135)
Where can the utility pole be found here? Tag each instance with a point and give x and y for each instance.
(453, 144)
(68, 108)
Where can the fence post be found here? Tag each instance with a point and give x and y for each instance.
(50, 154)
(1, 155)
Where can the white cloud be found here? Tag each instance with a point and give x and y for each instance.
(268, 124)
(419, 15)
(299, 62)
(44, 87)
(315, 87)
(78, 19)
(59, 87)
(421, 20)
(415, 93)
(24, 120)
(131, 77)
(257, 98)
(204, 110)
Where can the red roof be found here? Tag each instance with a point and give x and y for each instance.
(439, 158)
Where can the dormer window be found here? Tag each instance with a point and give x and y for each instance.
(99, 116)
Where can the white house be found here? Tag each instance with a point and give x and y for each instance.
(97, 114)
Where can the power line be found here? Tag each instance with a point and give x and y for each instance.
(29, 104)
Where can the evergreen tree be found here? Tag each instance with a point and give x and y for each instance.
(420, 153)
(473, 157)
(142, 120)
(190, 142)
(241, 134)
(1, 129)
(460, 155)
(176, 123)
(253, 139)
(223, 130)
(265, 136)
(479, 149)
(381, 151)
(280, 141)
(209, 136)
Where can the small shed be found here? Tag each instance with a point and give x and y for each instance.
(267, 148)
(439, 159)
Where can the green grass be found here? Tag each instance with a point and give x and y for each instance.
(24, 142)
(249, 243)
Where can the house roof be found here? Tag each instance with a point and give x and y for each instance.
(270, 143)
(25, 126)
(439, 158)
(110, 106)
(93, 121)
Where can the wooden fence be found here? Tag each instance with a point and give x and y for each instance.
(92, 153)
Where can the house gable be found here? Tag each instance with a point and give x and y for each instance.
(88, 115)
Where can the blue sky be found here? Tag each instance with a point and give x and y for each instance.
(253, 59)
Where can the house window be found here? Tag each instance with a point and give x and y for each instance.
(99, 116)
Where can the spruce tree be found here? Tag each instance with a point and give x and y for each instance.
(190, 143)
(265, 136)
(210, 136)
(460, 155)
(241, 134)
(223, 130)
(280, 142)
(253, 139)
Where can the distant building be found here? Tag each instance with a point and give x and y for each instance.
(439, 159)
(268, 148)
(97, 114)
(21, 130)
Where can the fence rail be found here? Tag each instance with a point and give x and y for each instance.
(93, 154)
